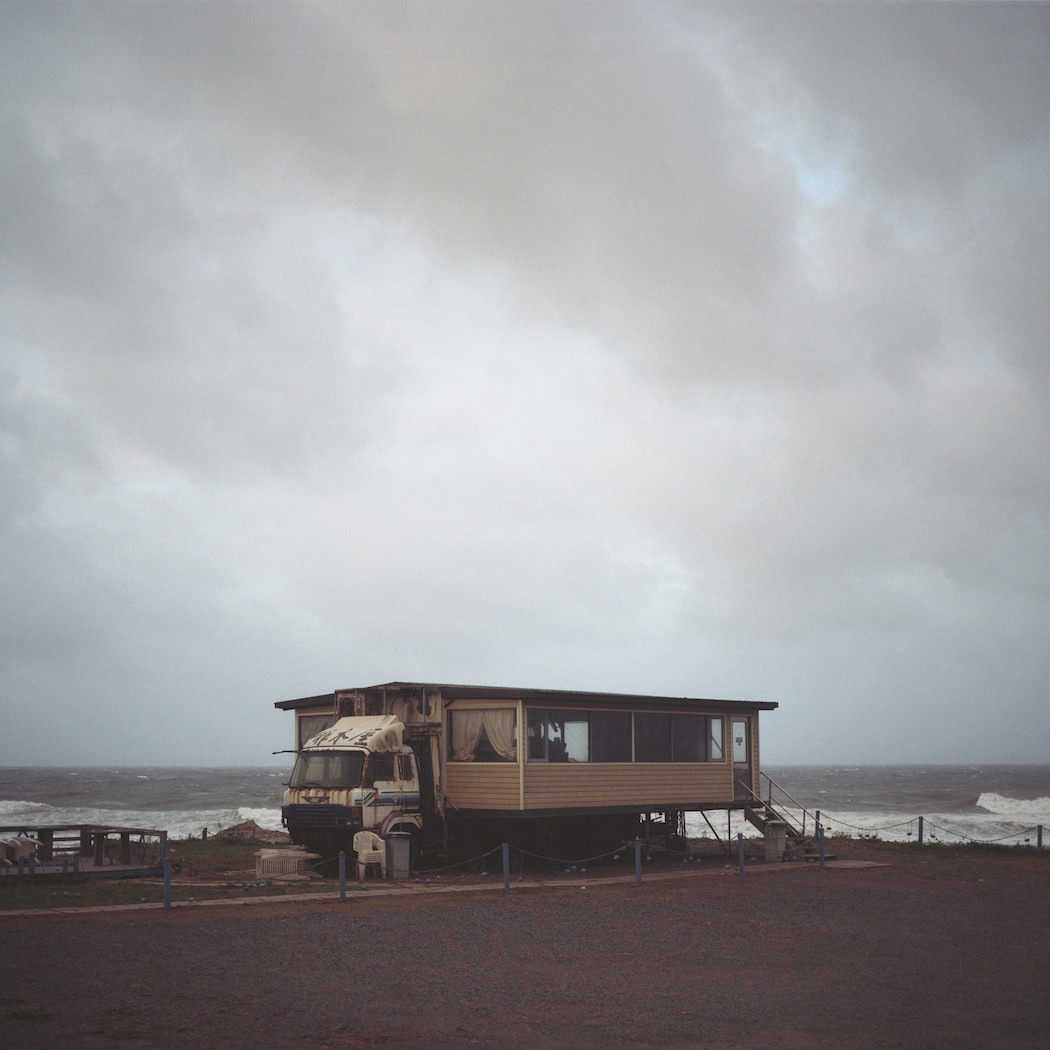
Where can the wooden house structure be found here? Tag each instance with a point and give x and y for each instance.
(564, 759)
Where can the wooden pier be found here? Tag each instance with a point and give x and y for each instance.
(91, 850)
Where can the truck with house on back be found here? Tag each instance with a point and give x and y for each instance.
(463, 768)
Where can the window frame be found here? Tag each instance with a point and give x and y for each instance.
(706, 737)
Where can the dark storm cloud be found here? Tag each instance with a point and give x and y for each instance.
(685, 348)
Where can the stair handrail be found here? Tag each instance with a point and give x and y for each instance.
(771, 784)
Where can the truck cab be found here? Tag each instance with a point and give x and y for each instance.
(357, 775)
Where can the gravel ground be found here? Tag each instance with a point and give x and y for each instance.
(907, 955)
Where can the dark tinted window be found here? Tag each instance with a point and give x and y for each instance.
(689, 738)
(610, 736)
(652, 737)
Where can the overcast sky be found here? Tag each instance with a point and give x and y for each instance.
(676, 348)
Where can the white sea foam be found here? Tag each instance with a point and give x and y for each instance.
(14, 810)
(1035, 809)
(177, 823)
(265, 818)
(996, 818)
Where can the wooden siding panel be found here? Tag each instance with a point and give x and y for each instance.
(483, 785)
(628, 784)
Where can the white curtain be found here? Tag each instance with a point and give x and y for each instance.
(500, 727)
(466, 733)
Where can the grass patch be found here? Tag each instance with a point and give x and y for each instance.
(209, 869)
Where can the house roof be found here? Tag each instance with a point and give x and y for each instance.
(546, 696)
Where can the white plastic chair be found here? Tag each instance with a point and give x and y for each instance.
(370, 849)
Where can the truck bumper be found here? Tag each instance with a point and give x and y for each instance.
(322, 829)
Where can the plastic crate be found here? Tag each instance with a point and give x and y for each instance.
(271, 862)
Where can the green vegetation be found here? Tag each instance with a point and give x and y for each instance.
(211, 869)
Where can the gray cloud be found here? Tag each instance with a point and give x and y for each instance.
(679, 348)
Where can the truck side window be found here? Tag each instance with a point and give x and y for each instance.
(407, 771)
(380, 767)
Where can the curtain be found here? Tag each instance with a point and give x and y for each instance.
(466, 732)
(500, 727)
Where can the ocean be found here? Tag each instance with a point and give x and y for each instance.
(958, 803)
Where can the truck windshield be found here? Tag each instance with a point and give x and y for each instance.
(330, 769)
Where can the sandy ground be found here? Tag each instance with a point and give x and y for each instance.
(923, 951)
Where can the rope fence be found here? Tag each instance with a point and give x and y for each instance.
(917, 827)
(518, 864)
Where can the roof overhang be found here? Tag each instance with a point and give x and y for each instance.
(568, 697)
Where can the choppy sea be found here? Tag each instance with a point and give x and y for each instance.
(957, 803)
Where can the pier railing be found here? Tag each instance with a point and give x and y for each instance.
(88, 842)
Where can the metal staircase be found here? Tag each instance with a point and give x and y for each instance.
(762, 813)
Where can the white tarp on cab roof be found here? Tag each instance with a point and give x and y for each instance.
(374, 732)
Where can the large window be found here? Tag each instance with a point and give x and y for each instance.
(328, 769)
(559, 736)
(484, 735)
(652, 737)
(623, 736)
(610, 736)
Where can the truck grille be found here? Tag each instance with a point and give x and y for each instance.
(318, 816)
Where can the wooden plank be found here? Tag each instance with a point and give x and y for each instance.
(625, 784)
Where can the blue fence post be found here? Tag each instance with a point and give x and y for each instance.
(163, 846)
(740, 850)
(167, 884)
(920, 830)
(638, 861)
(342, 875)
(76, 863)
(820, 839)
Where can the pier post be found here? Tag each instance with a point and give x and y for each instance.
(342, 875)
(920, 831)
(820, 839)
(167, 884)
(638, 861)
(506, 867)
(1039, 839)
(740, 850)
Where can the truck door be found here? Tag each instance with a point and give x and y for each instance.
(381, 790)
(409, 783)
